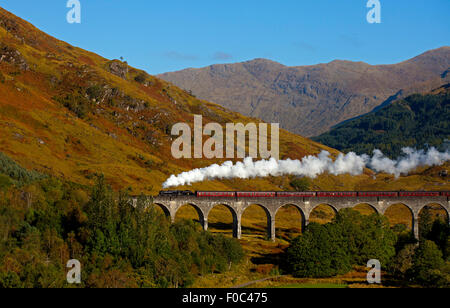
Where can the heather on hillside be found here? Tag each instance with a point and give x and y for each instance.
(68, 112)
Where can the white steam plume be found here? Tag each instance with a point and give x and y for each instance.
(410, 161)
(312, 166)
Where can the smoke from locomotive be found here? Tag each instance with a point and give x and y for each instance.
(312, 166)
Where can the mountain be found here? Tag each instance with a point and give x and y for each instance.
(309, 100)
(416, 121)
(73, 114)
(70, 113)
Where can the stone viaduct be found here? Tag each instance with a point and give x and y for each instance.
(237, 206)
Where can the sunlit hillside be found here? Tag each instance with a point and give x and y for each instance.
(73, 114)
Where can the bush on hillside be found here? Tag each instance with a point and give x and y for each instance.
(13, 173)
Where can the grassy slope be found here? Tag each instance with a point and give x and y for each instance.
(124, 137)
(40, 133)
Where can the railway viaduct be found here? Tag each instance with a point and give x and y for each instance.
(237, 206)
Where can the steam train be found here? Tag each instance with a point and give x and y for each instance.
(298, 194)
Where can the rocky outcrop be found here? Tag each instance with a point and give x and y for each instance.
(12, 56)
(118, 68)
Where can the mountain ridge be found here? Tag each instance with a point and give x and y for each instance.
(309, 100)
(73, 114)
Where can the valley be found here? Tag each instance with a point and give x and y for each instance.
(82, 135)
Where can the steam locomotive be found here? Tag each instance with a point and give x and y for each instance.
(176, 193)
(298, 194)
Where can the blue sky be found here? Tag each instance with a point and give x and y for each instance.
(161, 36)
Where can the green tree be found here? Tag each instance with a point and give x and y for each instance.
(317, 254)
(428, 267)
(119, 242)
(402, 263)
(350, 239)
(365, 237)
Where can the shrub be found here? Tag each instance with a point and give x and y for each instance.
(5, 182)
(95, 92)
(140, 78)
(301, 184)
(76, 103)
(429, 269)
(402, 263)
(13, 173)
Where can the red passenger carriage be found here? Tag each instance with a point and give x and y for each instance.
(296, 194)
(255, 194)
(337, 194)
(419, 194)
(216, 194)
(378, 194)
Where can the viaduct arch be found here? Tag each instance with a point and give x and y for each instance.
(237, 206)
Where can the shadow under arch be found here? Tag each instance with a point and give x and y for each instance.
(397, 213)
(429, 214)
(290, 220)
(164, 208)
(365, 208)
(223, 225)
(255, 216)
(323, 213)
(200, 215)
(439, 208)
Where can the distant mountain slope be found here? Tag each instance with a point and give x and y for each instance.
(416, 121)
(309, 100)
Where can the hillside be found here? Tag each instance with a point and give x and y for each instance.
(309, 100)
(416, 121)
(73, 114)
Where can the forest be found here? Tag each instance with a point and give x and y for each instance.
(418, 121)
(45, 222)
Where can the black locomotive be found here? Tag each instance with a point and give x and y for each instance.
(171, 193)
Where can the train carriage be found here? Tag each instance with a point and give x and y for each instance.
(378, 194)
(255, 194)
(419, 194)
(215, 194)
(296, 194)
(445, 193)
(337, 194)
